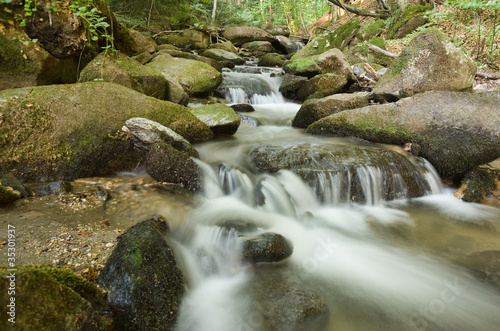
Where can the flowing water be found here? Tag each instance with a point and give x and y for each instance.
(379, 258)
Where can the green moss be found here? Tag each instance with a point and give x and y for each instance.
(13, 57)
(402, 17)
(305, 66)
(371, 30)
(479, 183)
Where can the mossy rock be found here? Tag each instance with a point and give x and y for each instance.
(361, 53)
(221, 119)
(226, 45)
(10, 180)
(118, 68)
(144, 43)
(220, 54)
(371, 30)
(332, 61)
(144, 283)
(52, 299)
(340, 38)
(408, 20)
(453, 141)
(178, 41)
(201, 39)
(290, 85)
(259, 47)
(8, 195)
(480, 184)
(63, 132)
(271, 60)
(190, 56)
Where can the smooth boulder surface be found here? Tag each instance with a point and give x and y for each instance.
(455, 131)
(259, 47)
(332, 61)
(315, 109)
(271, 60)
(239, 35)
(144, 283)
(266, 247)
(190, 56)
(430, 62)
(144, 43)
(63, 132)
(118, 68)
(221, 119)
(223, 55)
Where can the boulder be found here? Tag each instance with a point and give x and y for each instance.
(63, 132)
(118, 68)
(315, 109)
(51, 299)
(360, 53)
(288, 45)
(178, 41)
(226, 45)
(190, 56)
(481, 184)
(10, 180)
(271, 60)
(221, 119)
(266, 247)
(242, 108)
(147, 133)
(144, 283)
(200, 39)
(144, 43)
(290, 85)
(430, 62)
(223, 55)
(276, 30)
(407, 20)
(371, 30)
(332, 61)
(444, 127)
(321, 86)
(59, 187)
(8, 195)
(166, 164)
(259, 47)
(195, 77)
(240, 35)
(143, 57)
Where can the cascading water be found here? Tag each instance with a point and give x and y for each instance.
(372, 229)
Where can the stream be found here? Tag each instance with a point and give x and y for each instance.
(377, 263)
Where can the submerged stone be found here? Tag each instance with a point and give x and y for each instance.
(266, 247)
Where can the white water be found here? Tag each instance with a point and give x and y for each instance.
(381, 265)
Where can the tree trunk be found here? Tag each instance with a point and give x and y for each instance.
(302, 19)
(213, 11)
(360, 12)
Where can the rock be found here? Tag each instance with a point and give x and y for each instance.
(480, 185)
(266, 247)
(453, 141)
(178, 41)
(430, 62)
(143, 57)
(10, 180)
(146, 133)
(371, 30)
(284, 303)
(362, 54)
(321, 86)
(65, 132)
(63, 306)
(118, 68)
(332, 61)
(486, 261)
(240, 35)
(290, 85)
(315, 109)
(164, 47)
(221, 119)
(144, 43)
(259, 47)
(8, 195)
(166, 164)
(243, 108)
(407, 20)
(223, 55)
(60, 187)
(288, 45)
(143, 280)
(340, 38)
(226, 45)
(195, 77)
(200, 39)
(271, 60)
(240, 226)
(276, 30)
(190, 56)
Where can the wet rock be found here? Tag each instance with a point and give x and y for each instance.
(118, 68)
(430, 62)
(241, 226)
(259, 47)
(480, 185)
(144, 43)
(486, 261)
(8, 195)
(10, 180)
(221, 119)
(166, 164)
(146, 133)
(271, 60)
(431, 122)
(243, 108)
(223, 55)
(247, 121)
(288, 45)
(291, 84)
(283, 302)
(240, 35)
(143, 280)
(313, 110)
(266, 247)
(51, 299)
(74, 131)
(60, 187)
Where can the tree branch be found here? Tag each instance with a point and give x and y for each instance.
(360, 12)
(382, 51)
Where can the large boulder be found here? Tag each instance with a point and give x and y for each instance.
(481, 184)
(239, 35)
(271, 60)
(195, 77)
(201, 39)
(259, 47)
(407, 20)
(266, 247)
(144, 283)
(430, 62)
(221, 119)
(144, 43)
(321, 86)
(220, 54)
(315, 109)
(361, 53)
(176, 40)
(332, 61)
(118, 68)
(291, 84)
(226, 45)
(190, 56)
(62, 132)
(446, 128)
(288, 45)
(276, 30)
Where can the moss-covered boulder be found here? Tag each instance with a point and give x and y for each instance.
(430, 62)
(30, 65)
(118, 68)
(291, 84)
(361, 53)
(220, 54)
(407, 20)
(480, 185)
(444, 127)
(371, 30)
(266, 248)
(259, 47)
(221, 119)
(62, 132)
(177, 41)
(144, 43)
(50, 299)
(144, 283)
(10, 180)
(195, 77)
(8, 195)
(201, 39)
(340, 38)
(226, 45)
(321, 86)
(315, 109)
(276, 30)
(240, 35)
(190, 56)
(332, 61)
(271, 60)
